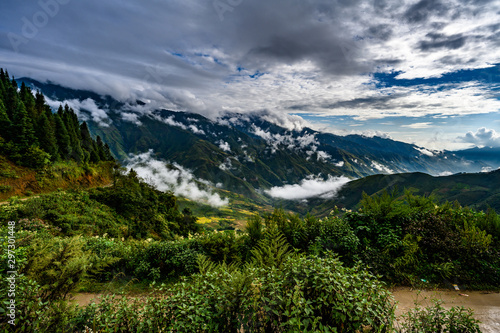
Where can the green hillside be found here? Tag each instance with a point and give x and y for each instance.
(480, 191)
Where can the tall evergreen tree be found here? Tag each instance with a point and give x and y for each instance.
(100, 149)
(2, 84)
(46, 137)
(11, 99)
(73, 128)
(62, 138)
(88, 144)
(23, 132)
(107, 152)
(39, 103)
(5, 122)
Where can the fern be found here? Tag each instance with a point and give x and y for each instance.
(272, 251)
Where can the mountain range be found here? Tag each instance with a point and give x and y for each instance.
(251, 154)
(480, 191)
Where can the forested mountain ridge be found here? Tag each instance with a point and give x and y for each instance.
(480, 191)
(32, 135)
(42, 150)
(248, 153)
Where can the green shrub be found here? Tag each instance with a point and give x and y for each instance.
(279, 292)
(5, 188)
(435, 318)
(58, 265)
(36, 158)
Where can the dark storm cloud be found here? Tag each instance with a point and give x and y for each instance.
(453, 60)
(124, 37)
(424, 9)
(379, 102)
(380, 31)
(332, 53)
(438, 41)
(208, 55)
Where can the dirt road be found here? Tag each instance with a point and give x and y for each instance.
(486, 305)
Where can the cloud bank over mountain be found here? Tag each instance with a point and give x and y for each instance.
(176, 179)
(483, 137)
(309, 188)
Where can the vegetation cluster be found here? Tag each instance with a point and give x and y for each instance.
(283, 273)
(32, 135)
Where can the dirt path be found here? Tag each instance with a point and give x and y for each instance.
(36, 196)
(486, 305)
(23, 199)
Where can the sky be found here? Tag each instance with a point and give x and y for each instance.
(424, 72)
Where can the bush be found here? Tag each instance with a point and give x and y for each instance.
(58, 265)
(279, 292)
(435, 318)
(33, 314)
(35, 158)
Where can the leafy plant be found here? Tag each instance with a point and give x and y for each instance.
(58, 265)
(435, 318)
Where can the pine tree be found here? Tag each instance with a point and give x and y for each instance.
(2, 84)
(5, 123)
(62, 138)
(100, 149)
(88, 144)
(108, 154)
(11, 99)
(86, 137)
(73, 128)
(94, 154)
(39, 103)
(46, 137)
(23, 132)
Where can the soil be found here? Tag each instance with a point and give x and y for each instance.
(486, 305)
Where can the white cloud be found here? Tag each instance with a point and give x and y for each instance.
(418, 125)
(483, 137)
(486, 169)
(319, 62)
(425, 151)
(131, 117)
(339, 164)
(306, 142)
(177, 179)
(309, 188)
(226, 165)
(85, 110)
(224, 146)
(323, 156)
(196, 130)
(381, 167)
(170, 121)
